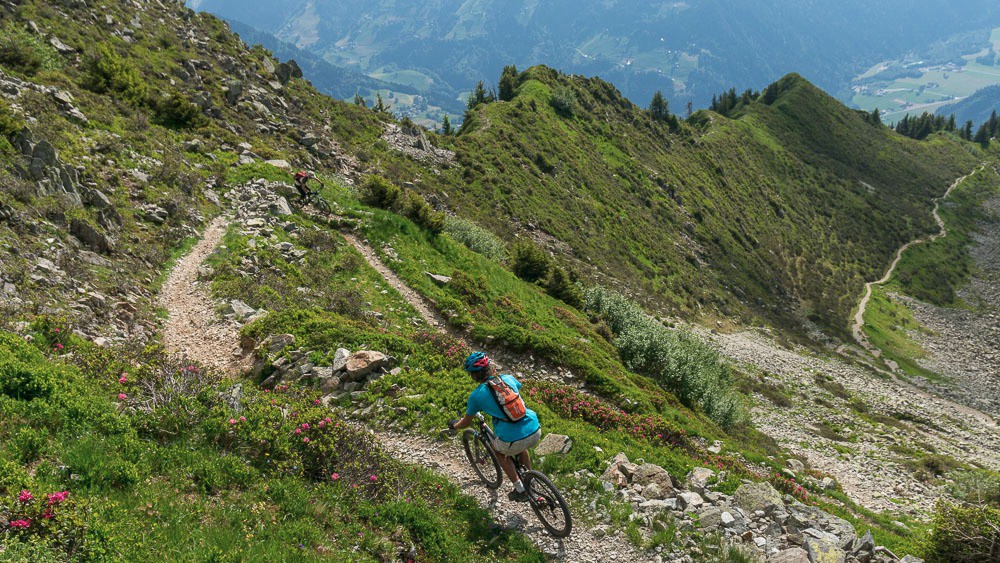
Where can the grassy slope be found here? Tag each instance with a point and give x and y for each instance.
(932, 272)
(771, 201)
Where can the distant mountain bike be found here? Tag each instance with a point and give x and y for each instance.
(543, 497)
(313, 197)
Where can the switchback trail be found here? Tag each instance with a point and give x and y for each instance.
(859, 317)
(193, 329)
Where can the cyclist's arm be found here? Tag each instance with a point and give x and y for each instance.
(464, 422)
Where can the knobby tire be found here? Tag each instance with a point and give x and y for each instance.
(484, 462)
(548, 504)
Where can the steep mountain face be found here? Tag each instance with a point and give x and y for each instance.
(689, 50)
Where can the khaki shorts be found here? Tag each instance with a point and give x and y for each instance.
(517, 446)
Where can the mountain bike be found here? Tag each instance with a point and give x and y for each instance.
(313, 197)
(543, 497)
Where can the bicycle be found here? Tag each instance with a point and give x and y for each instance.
(543, 497)
(313, 197)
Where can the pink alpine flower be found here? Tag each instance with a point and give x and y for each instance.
(232, 421)
(25, 496)
(123, 378)
(305, 426)
(306, 439)
(243, 419)
(20, 524)
(298, 430)
(322, 423)
(335, 476)
(373, 478)
(56, 498)
(122, 396)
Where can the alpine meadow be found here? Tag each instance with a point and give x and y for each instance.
(760, 330)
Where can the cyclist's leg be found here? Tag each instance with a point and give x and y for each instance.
(508, 466)
(524, 459)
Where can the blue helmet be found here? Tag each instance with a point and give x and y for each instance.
(477, 361)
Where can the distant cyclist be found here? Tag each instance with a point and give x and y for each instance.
(515, 425)
(301, 179)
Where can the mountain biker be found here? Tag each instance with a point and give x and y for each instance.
(512, 438)
(301, 179)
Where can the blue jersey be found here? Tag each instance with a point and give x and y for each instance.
(481, 400)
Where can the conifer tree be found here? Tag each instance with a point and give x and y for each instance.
(658, 107)
(508, 83)
(446, 126)
(359, 100)
(876, 117)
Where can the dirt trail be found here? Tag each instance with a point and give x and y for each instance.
(859, 317)
(449, 459)
(193, 329)
(419, 302)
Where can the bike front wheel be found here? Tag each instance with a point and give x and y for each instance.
(321, 204)
(482, 458)
(548, 504)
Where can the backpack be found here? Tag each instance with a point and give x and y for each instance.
(509, 401)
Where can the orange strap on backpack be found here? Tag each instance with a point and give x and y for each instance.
(509, 401)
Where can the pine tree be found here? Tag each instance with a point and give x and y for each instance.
(359, 100)
(380, 105)
(446, 126)
(982, 134)
(658, 108)
(479, 96)
(967, 131)
(876, 117)
(508, 83)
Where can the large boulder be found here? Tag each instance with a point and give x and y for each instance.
(699, 478)
(758, 496)
(340, 359)
(822, 551)
(619, 471)
(91, 237)
(554, 444)
(648, 473)
(805, 517)
(362, 363)
(791, 555)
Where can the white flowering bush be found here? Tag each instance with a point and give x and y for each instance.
(675, 359)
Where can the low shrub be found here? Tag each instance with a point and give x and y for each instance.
(964, 533)
(475, 238)
(107, 71)
(26, 52)
(529, 262)
(676, 360)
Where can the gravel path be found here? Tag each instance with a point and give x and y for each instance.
(448, 458)
(859, 317)
(193, 329)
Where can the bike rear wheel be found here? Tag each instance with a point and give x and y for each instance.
(548, 504)
(482, 458)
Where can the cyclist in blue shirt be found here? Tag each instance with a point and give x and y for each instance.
(513, 438)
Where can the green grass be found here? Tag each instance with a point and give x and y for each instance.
(933, 272)
(197, 478)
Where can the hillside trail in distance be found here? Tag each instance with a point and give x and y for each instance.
(193, 329)
(859, 318)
